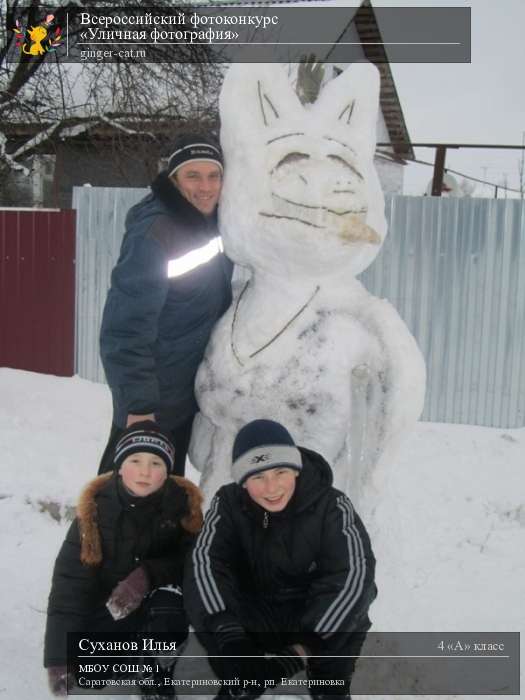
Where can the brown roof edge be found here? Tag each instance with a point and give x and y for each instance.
(366, 23)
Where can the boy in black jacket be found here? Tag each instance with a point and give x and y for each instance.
(117, 571)
(283, 566)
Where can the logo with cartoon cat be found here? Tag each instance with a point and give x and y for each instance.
(38, 40)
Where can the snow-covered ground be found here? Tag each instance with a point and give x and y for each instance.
(460, 491)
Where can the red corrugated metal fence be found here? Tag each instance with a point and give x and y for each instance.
(37, 290)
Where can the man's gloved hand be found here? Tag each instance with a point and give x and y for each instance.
(129, 594)
(58, 678)
(136, 418)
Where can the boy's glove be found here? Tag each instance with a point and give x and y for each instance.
(289, 661)
(232, 635)
(58, 678)
(129, 594)
(234, 643)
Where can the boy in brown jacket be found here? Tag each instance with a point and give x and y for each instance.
(119, 571)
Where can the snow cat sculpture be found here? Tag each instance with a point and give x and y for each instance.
(304, 343)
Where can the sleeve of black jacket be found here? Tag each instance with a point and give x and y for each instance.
(344, 588)
(72, 598)
(210, 589)
(139, 285)
(169, 570)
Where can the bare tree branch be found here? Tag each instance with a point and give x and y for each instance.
(43, 100)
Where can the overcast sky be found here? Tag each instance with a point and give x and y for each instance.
(480, 102)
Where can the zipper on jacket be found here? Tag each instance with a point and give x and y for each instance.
(265, 519)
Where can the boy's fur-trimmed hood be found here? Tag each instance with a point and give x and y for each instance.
(87, 515)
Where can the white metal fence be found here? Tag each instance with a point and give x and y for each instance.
(454, 269)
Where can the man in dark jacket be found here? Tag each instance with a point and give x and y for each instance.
(169, 287)
(122, 560)
(284, 566)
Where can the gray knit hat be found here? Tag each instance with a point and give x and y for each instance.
(261, 445)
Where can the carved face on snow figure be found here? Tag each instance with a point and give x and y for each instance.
(301, 184)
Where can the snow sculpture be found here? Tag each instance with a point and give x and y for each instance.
(304, 343)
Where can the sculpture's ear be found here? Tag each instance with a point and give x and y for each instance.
(257, 95)
(352, 99)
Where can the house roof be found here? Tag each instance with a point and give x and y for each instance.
(88, 130)
(372, 44)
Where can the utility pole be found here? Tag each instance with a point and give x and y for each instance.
(439, 171)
